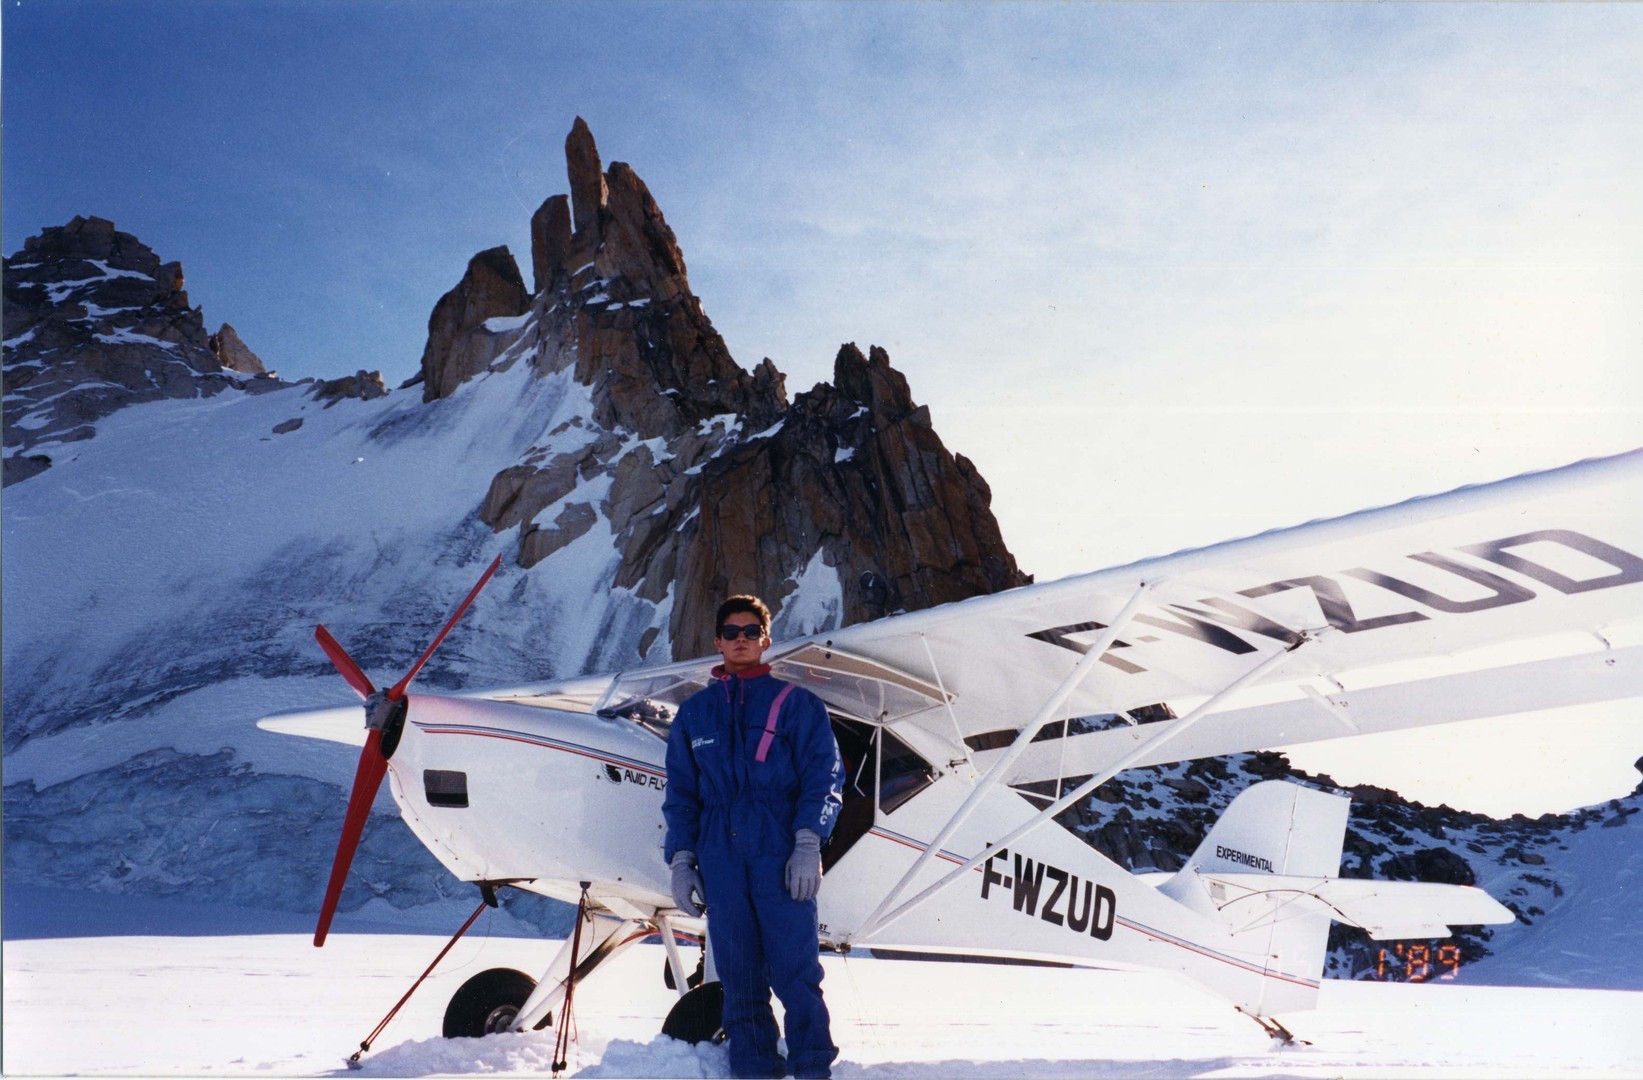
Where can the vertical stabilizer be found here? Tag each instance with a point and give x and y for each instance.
(1277, 828)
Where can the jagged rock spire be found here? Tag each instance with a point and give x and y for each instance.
(587, 184)
(747, 491)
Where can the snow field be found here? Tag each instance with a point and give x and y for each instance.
(261, 1005)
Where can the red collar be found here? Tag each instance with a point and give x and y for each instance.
(721, 674)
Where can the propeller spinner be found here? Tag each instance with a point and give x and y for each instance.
(385, 712)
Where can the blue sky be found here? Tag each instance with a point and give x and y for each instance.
(1168, 274)
(1132, 242)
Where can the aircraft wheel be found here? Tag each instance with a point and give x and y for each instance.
(698, 1016)
(488, 1003)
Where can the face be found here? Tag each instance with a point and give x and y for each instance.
(741, 652)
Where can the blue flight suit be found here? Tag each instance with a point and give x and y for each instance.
(739, 815)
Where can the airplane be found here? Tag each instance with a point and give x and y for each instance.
(1502, 598)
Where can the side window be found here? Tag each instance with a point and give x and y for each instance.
(902, 773)
(878, 769)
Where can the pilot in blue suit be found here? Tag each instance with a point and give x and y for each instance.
(754, 786)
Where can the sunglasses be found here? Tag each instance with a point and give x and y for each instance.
(752, 632)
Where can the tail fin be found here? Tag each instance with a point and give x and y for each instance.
(1278, 828)
(1281, 829)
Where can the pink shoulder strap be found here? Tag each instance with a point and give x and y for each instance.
(770, 725)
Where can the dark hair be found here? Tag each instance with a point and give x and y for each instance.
(738, 605)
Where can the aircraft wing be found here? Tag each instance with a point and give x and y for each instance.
(1499, 598)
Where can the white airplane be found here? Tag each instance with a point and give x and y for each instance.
(1503, 598)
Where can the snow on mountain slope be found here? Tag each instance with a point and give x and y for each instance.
(1578, 923)
(161, 586)
(149, 567)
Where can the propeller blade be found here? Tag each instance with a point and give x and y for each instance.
(373, 762)
(344, 663)
(397, 691)
(367, 780)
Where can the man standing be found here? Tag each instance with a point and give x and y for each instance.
(754, 785)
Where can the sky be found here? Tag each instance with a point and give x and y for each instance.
(1168, 274)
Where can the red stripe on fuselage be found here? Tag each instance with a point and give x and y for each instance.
(1182, 943)
(545, 743)
(906, 841)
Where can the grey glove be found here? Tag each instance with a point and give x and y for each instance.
(687, 883)
(804, 871)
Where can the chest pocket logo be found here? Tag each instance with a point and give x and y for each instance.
(697, 744)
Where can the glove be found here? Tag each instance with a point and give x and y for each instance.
(687, 883)
(804, 871)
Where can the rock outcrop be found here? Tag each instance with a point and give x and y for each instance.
(855, 475)
(469, 326)
(363, 385)
(94, 321)
(712, 481)
(234, 354)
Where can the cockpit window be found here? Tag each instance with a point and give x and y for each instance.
(902, 773)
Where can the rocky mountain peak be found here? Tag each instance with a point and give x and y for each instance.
(870, 381)
(709, 479)
(87, 239)
(94, 321)
(611, 300)
(615, 226)
(612, 303)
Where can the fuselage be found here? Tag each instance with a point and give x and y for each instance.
(539, 798)
(546, 799)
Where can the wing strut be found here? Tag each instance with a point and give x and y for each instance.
(875, 922)
(1001, 768)
(958, 732)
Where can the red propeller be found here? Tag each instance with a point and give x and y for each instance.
(385, 717)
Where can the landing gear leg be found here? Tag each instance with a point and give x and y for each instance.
(674, 973)
(601, 940)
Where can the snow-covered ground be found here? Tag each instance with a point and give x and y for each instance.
(223, 1004)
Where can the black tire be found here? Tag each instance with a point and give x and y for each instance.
(698, 1017)
(489, 1002)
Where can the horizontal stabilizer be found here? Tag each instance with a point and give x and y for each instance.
(342, 723)
(1386, 909)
